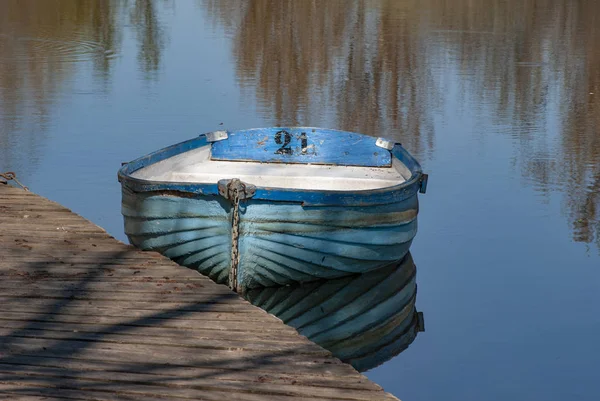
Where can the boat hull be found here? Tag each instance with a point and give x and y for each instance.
(187, 202)
(280, 243)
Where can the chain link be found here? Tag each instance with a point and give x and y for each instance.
(233, 189)
(236, 191)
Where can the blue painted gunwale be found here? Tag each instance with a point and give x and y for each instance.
(301, 145)
(382, 196)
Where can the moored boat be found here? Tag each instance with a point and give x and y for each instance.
(363, 320)
(274, 206)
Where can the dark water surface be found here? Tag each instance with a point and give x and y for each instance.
(499, 100)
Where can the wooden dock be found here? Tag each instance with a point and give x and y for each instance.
(86, 317)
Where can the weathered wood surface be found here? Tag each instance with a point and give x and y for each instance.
(84, 316)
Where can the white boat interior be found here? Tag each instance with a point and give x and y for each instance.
(195, 166)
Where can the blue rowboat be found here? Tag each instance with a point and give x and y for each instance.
(274, 206)
(364, 320)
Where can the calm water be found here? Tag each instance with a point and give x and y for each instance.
(499, 100)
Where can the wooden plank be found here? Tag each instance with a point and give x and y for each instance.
(256, 361)
(13, 233)
(42, 218)
(137, 286)
(85, 317)
(62, 272)
(260, 337)
(79, 259)
(74, 240)
(58, 226)
(161, 296)
(165, 283)
(155, 264)
(132, 314)
(161, 370)
(20, 247)
(11, 395)
(53, 385)
(212, 341)
(183, 322)
(180, 387)
(92, 310)
(110, 303)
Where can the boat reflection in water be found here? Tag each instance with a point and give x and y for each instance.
(363, 320)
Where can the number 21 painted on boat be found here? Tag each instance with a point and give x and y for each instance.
(285, 149)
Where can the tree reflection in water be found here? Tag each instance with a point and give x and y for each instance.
(377, 64)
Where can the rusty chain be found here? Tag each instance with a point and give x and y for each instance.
(233, 189)
(236, 191)
(11, 176)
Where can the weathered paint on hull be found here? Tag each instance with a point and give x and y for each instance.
(283, 243)
(364, 319)
(280, 243)
(194, 232)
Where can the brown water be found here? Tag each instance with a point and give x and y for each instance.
(499, 100)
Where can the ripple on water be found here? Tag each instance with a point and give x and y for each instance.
(22, 48)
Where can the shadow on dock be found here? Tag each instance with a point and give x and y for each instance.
(84, 316)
